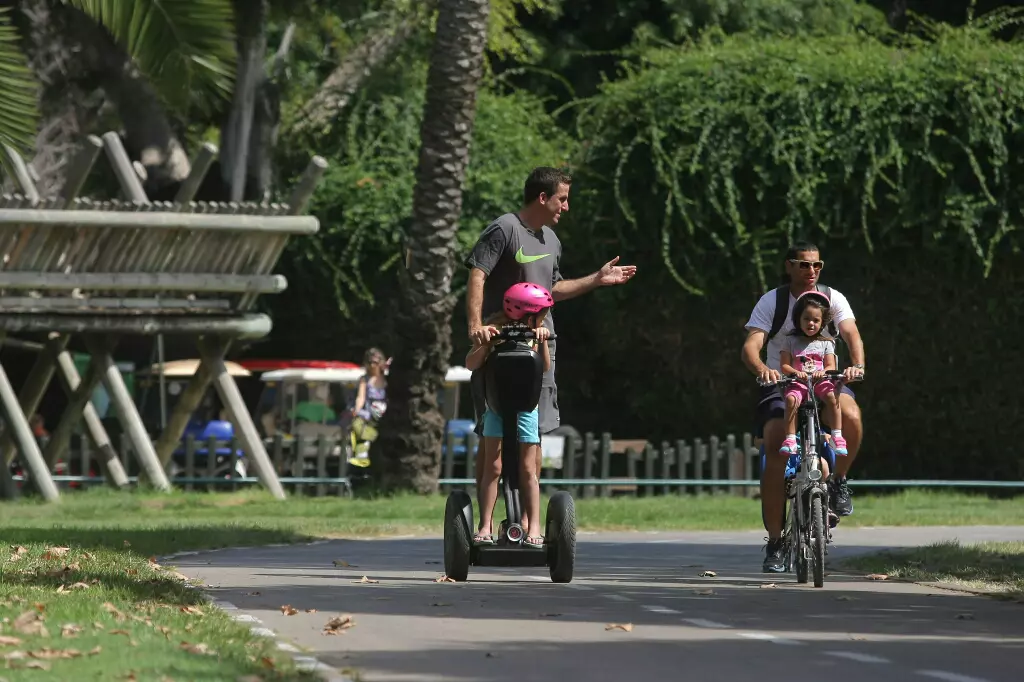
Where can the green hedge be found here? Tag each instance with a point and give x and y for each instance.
(734, 146)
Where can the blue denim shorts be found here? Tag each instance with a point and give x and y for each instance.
(527, 426)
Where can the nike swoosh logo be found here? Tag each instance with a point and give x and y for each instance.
(521, 258)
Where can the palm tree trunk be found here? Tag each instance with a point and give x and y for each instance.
(236, 134)
(408, 451)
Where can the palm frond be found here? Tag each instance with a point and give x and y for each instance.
(19, 96)
(181, 46)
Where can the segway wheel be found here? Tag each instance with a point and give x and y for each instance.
(458, 520)
(561, 536)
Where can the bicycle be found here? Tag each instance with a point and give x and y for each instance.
(805, 533)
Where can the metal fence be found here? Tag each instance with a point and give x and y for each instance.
(590, 466)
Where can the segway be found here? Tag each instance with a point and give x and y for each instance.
(512, 376)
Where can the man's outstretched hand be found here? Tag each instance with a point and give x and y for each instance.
(611, 273)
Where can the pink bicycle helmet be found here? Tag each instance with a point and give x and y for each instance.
(525, 299)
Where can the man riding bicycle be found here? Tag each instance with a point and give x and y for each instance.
(768, 323)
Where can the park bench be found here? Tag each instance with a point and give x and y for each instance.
(102, 270)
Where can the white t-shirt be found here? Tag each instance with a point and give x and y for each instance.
(764, 312)
(808, 354)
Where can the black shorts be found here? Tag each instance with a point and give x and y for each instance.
(770, 405)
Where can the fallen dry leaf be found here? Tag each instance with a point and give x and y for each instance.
(365, 580)
(877, 576)
(30, 623)
(70, 630)
(95, 650)
(37, 665)
(127, 544)
(444, 579)
(201, 649)
(86, 555)
(55, 552)
(14, 557)
(268, 663)
(114, 611)
(708, 574)
(164, 629)
(9, 641)
(179, 576)
(338, 624)
(99, 626)
(18, 549)
(48, 653)
(342, 563)
(130, 677)
(768, 586)
(625, 627)
(14, 655)
(72, 567)
(80, 586)
(289, 610)
(193, 610)
(132, 571)
(121, 632)
(310, 610)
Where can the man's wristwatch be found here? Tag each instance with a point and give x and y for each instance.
(860, 367)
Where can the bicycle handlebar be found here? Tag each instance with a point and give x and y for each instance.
(835, 375)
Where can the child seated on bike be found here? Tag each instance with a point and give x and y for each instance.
(808, 347)
(524, 303)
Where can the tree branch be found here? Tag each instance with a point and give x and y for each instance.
(336, 92)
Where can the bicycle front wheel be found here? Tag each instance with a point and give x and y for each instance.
(818, 540)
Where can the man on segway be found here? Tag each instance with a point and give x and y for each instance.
(523, 247)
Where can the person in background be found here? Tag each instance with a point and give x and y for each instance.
(371, 403)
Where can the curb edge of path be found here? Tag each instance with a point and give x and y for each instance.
(256, 626)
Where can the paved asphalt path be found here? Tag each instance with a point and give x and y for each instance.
(514, 624)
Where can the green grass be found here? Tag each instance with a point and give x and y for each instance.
(112, 535)
(108, 614)
(155, 523)
(995, 567)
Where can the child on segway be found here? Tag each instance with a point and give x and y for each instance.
(524, 304)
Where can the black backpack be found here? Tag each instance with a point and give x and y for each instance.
(782, 311)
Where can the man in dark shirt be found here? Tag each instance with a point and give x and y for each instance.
(523, 247)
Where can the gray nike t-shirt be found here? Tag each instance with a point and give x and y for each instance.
(509, 253)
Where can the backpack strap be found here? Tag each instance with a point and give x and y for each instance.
(781, 310)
